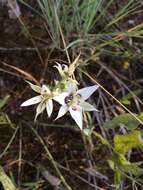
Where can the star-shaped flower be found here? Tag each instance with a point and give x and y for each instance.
(44, 99)
(74, 102)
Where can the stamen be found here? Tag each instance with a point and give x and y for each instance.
(68, 99)
(79, 96)
(74, 108)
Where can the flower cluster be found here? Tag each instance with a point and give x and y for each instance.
(66, 93)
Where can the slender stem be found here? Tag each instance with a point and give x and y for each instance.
(10, 142)
(31, 38)
(95, 81)
(88, 144)
(62, 36)
(50, 157)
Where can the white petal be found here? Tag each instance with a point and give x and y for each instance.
(87, 107)
(61, 98)
(63, 110)
(49, 107)
(71, 88)
(40, 109)
(34, 87)
(45, 90)
(65, 68)
(32, 101)
(87, 91)
(77, 116)
(59, 68)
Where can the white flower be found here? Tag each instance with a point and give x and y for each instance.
(44, 100)
(63, 70)
(67, 80)
(74, 102)
(68, 71)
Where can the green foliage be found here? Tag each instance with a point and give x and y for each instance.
(4, 120)
(124, 143)
(140, 116)
(117, 178)
(4, 101)
(102, 139)
(128, 97)
(6, 181)
(127, 9)
(124, 120)
(121, 164)
(88, 131)
(81, 20)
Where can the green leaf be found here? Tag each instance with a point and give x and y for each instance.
(87, 132)
(126, 102)
(102, 139)
(124, 120)
(4, 101)
(111, 164)
(140, 116)
(125, 166)
(133, 168)
(119, 164)
(117, 177)
(6, 181)
(126, 99)
(124, 143)
(4, 120)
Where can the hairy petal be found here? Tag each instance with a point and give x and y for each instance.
(40, 109)
(34, 87)
(62, 69)
(63, 110)
(77, 116)
(59, 68)
(45, 89)
(71, 88)
(32, 101)
(87, 107)
(49, 107)
(61, 98)
(87, 91)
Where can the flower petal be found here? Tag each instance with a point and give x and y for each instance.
(34, 87)
(87, 107)
(87, 91)
(63, 110)
(45, 89)
(62, 69)
(61, 98)
(58, 67)
(49, 107)
(71, 88)
(77, 116)
(32, 101)
(40, 109)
